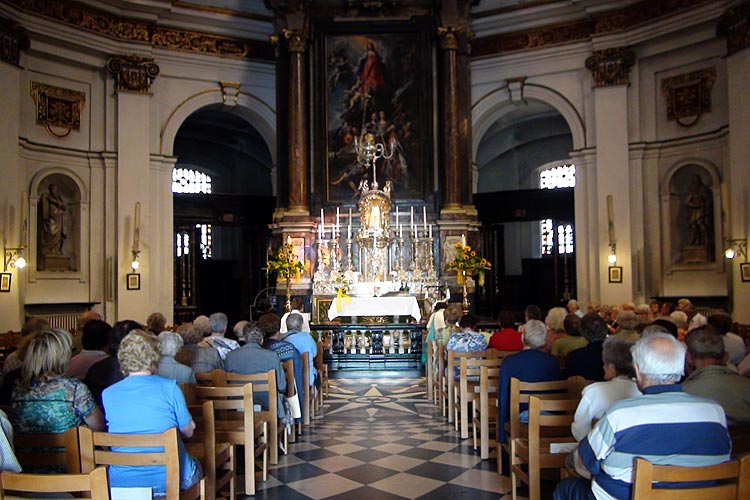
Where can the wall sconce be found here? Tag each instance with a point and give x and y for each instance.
(612, 257)
(736, 248)
(13, 257)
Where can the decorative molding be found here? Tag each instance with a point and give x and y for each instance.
(57, 107)
(13, 40)
(296, 39)
(133, 73)
(689, 95)
(231, 90)
(735, 26)
(101, 23)
(640, 13)
(448, 37)
(611, 66)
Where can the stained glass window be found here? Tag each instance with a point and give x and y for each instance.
(205, 241)
(185, 180)
(561, 176)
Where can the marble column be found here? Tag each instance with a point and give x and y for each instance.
(449, 119)
(610, 69)
(298, 149)
(735, 26)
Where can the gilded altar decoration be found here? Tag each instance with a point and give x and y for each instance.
(286, 266)
(689, 95)
(13, 40)
(57, 108)
(735, 26)
(611, 66)
(133, 73)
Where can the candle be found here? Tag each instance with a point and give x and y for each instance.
(611, 219)
(424, 217)
(349, 231)
(463, 240)
(401, 231)
(396, 216)
(322, 224)
(350, 216)
(137, 226)
(288, 240)
(412, 217)
(338, 223)
(430, 227)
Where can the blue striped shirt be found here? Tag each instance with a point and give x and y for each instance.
(665, 426)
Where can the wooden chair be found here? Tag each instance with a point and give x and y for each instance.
(454, 361)
(234, 415)
(306, 401)
(429, 372)
(485, 415)
(468, 382)
(97, 448)
(94, 485)
(534, 451)
(61, 451)
(442, 380)
(730, 481)
(323, 375)
(520, 393)
(217, 459)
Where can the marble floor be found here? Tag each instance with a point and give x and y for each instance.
(381, 440)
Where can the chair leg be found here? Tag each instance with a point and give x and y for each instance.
(249, 471)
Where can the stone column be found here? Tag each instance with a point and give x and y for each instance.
(735, 26)
(298, 149)
(465, 159)
(133, 77)
(610, 69)
(282, 127)
(12, 41)
(449, 119)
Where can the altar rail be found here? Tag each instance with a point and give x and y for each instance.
(367, 347)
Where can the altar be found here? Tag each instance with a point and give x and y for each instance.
(374, 307)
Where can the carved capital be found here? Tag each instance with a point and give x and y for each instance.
(133, 73)
(274, 40)
(13, 40)
(611, 66)
(449, 37)
(296, 39)
(735, 26)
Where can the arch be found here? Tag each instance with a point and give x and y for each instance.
(249, 107)
(496, 103)
(682, 162)
(43, 174)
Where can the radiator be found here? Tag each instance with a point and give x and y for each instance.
(63, 321)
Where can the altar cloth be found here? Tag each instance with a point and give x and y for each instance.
(374, 306)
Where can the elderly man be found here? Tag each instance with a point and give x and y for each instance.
(666, 425)
(587, 361)
(711, 377)
(218, 323)
(302, 341)
(252, 358)
(734, 345)
(170, 344)
(529, 365)
(196, 354)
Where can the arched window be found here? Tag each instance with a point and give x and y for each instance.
(560, 176)
(188, 181)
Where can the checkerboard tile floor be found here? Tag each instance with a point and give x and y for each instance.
(382, 440)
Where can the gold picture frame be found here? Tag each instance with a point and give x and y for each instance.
(133, 281)
(615, 274)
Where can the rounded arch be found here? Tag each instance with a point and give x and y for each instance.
(42, 175)
(249, 107)
(495, 104)
(709, 166)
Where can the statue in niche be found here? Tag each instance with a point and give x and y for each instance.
(53, 222)
(698, 203)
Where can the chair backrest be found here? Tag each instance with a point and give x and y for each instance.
(454, 358)
(94, 485)
(215, 378)
(493, 353)
(319, 357)
(97, 449)
(728, 481)
(521, 391)
(202, 444)
(545, 412)
(48, 450)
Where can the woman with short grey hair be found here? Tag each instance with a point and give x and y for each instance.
(170, 344)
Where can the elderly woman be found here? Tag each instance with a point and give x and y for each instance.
(555, 322)
(44, 400)
(620, 384)
(199, 356)
(143, 403)
(170, 344)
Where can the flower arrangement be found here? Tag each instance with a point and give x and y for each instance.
(286, 263)
(468, 263)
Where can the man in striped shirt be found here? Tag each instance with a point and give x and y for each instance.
(665, 426)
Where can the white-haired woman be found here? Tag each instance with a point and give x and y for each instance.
(170, 344)
(144, 403)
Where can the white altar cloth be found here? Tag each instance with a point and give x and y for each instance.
(374, 306)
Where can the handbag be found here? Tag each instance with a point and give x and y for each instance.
(293, 402)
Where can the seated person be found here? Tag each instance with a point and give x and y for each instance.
(303, 342)
(587, 361)
(202, 358)
(30, 328)
(107, 371)
(627, 326)
(269, 325)
(712, 379)
(620, 384)
(529, 365)
(572, 341)
(45, 400)
(94, 340)
(156, 323)
(466, 339)
(734, 346)
(666, 425)
(434, 324)
(555, 322)
(170, 344)
(451, 316)
(507, 338)
(144, 403)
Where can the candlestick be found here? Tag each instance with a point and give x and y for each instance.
(137, 226)
(349, 231)
(424, 217)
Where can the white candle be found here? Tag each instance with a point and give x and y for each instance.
(401, 231)
(424, 217)
(137, 226)
(463, 240)
(322, 224)
(349, 231)
(412, 217)
(338, 224)
(396, 216)
(288, 240)
(430, 227)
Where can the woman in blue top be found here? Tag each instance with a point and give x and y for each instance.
(145, 403)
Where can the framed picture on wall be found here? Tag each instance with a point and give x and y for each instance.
(615, 274)
(133, 281)
(5, 282)
(745, 271)
(374, 79)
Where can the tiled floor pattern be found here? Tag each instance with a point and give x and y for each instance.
(381, 440)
